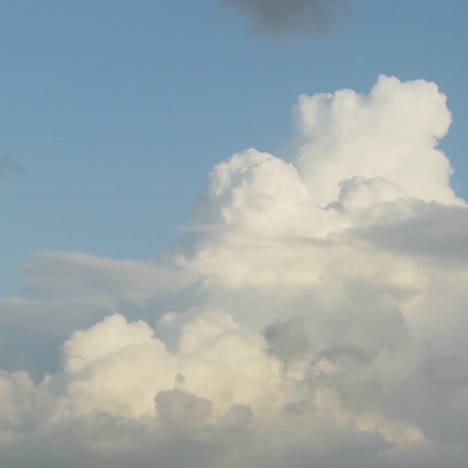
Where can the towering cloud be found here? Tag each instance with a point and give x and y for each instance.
(315, 316)
(276, 18)
(391, 133)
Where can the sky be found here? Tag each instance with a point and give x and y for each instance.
(235, 233)
(104, 102)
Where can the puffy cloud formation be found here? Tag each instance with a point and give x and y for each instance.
(391, 133)
(316, 314)
(278, 18)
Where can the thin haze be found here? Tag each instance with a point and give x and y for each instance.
(8, 166)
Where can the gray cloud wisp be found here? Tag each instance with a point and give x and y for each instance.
(283, 18)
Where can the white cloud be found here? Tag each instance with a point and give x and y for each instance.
(391, 133)
(316, 315)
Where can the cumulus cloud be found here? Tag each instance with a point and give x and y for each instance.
(315, 315)
(391, 133)
(278, 18)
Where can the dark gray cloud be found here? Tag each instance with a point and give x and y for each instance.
(435, 397)
(279, 18)
(287, 339)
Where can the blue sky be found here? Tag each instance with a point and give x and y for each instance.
(116, 111)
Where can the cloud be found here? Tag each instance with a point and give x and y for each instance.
(391, 133)
(75, 273)
(279, 18)
(287, 340)
(434, 232)
(316, 316)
